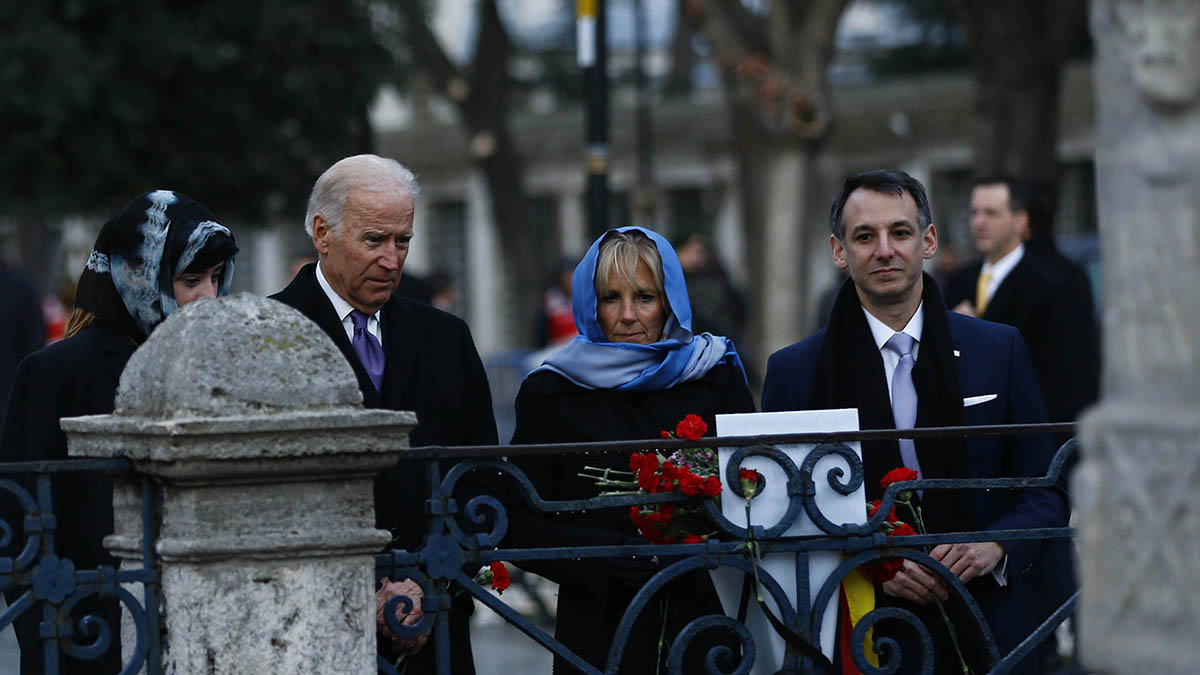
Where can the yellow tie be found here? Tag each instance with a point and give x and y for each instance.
(981, 295)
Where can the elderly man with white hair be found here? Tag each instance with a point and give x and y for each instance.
(407, 355)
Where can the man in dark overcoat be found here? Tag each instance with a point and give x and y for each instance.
(406, 355)
(893, 351)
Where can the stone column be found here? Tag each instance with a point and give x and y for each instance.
(250, 423)
(1140, 524)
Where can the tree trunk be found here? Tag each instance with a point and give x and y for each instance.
(1017, 53)
(774, 74)
(482, 100)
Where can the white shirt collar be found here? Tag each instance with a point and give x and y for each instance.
(1003, 266)
(340, 306)
(882, 333)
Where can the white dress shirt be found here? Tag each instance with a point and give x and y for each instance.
(882, 333)
(343, 309)
(1001, 268)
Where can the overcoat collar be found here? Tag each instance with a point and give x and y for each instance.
(399, 344)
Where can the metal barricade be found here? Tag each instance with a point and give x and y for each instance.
(449, 546)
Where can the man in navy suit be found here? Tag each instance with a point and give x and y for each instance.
(406, 354)
(895, 353)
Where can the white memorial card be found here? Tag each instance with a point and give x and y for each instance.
(768, 508)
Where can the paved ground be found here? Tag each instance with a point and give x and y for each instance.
(8, 647)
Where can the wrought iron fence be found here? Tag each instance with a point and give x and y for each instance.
(450, 547)
(36, 579)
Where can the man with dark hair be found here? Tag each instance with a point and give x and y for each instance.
(893, 352)
(1011, 285)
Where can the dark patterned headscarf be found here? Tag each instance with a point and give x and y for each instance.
(129, 278)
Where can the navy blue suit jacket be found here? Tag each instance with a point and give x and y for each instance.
(992, 360)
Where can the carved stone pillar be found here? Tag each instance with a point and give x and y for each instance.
(1140, 523)
(250, 421)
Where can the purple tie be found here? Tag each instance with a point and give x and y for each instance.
(904, 396)
(370, 353)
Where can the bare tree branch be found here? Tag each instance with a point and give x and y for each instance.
(428, 49)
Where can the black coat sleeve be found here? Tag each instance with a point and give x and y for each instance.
(480, 422)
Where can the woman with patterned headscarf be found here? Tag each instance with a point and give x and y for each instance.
(636, 368)
(160, 252)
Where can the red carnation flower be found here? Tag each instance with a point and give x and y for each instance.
(711, 486)
(689, 484)
(691, 427)
(500, 578)
(670, 474)
(897, 475)
(874, 507)
(750, 480)
(882, 571)
(665, 434)
(690, 538)
(903, 530)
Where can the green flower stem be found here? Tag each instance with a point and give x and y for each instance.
(662, 632)
(753, 549)
(906, 499)
(605, 472)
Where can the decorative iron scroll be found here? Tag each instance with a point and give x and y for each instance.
(451, 546)
(36, 579)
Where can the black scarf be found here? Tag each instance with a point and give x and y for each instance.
(849, 374)
(129, 278)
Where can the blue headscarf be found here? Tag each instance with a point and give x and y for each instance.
(592, 362)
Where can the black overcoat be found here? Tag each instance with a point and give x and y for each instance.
(1060, 333)
(432, 368)
(77, 376)
(593, 595)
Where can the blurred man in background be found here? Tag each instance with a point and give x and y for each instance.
(22, 331)
(1009, 285)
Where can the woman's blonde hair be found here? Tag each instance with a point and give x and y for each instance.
(621, 251)
(80, 319)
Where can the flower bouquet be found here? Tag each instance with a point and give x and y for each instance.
(692, 471)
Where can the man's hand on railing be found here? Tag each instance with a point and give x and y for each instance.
(915, 583)
(970, 559)
(412, 591)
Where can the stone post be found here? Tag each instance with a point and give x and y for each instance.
(1140, 524)
(250, 423)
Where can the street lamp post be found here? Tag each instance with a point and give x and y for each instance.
(592, 53)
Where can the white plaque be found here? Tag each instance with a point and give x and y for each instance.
(768, 508)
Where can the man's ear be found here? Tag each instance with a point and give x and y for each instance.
(838, 249)
(321, 233)
(1022, 218)
(929, 242)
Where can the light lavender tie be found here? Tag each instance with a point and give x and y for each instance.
(904, 396)
(370, 352)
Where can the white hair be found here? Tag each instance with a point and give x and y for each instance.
(363, 172)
